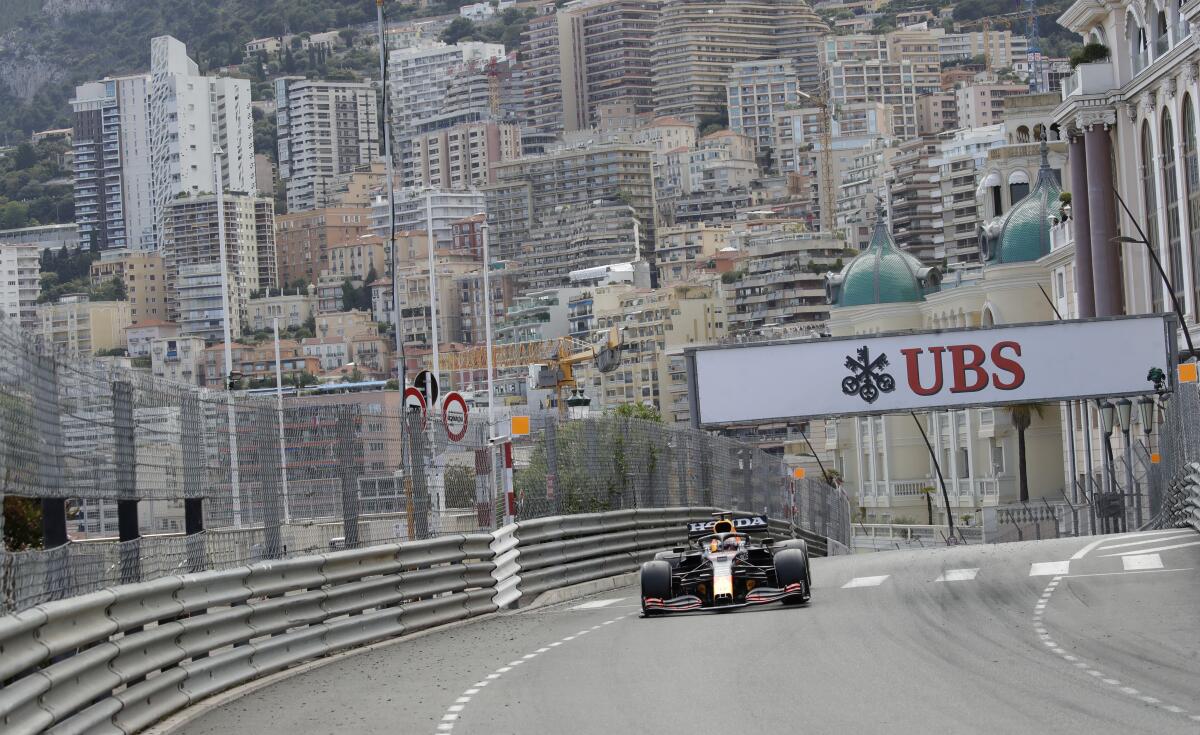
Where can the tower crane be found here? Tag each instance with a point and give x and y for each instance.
(558, 358)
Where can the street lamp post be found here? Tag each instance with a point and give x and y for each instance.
(487, 326)
(231, 410)
(1107, 411)
(1187, 335)
(1124, 414)
(1146, 413)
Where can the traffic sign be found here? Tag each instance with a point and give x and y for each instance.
(454, 416)
(427, 383)
(414, 399)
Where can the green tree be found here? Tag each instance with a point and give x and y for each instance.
(459, 29)
(638, 411)
(460, 486)
(1022, 417)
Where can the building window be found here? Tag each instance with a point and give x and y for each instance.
(1191, 170)
(1150, 195)
(1171, 200)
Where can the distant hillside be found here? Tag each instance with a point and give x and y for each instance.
(49, 46)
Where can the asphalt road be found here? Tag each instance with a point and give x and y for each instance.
(1096, 645)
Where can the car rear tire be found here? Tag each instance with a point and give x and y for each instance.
(791, 566)
(656, 581)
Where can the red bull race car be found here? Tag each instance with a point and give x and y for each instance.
(724, 567)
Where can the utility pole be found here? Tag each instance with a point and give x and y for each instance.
(401, 377)
(287, 515)
(231, 411)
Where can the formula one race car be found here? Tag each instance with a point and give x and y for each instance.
(723, 568)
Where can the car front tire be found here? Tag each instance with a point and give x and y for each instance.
(656, 581)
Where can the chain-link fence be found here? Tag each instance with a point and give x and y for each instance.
(139, 477)
(1173, 492)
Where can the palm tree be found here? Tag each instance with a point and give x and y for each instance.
(1022, 417)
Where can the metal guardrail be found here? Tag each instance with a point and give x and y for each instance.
(122, 658)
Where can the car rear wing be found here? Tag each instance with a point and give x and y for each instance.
(747, 525)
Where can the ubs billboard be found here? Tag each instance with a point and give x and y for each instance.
(875, 374)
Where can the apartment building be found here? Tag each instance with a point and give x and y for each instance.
(980, 105)
(779, 287)
(291, 309)
(962, 164)
(145, 279)
(915, 198)
(757, 91)
(697, 42)
(357, 261)
(192, 116)
(1000, 49)
(257, 363)
(937, 113)
(303, 240)
(537, 316)
(861, 81)
(110, 140)
(178, 359)
(655, 322)
(528, 189)
(684, 248)
(415, 208)
(324, 129)
(571, 237)
(191, 258)
(21, 267)
(862, 188)
(462, 156)
(79, 326)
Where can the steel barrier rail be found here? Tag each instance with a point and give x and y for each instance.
(119, 659)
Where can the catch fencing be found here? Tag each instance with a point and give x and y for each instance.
(142, 477)
(1175, 479)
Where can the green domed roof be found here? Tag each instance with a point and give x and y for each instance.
(881, 274)
(1025, 230)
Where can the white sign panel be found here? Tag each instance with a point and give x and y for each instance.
(919, 371)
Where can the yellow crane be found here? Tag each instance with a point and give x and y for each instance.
(826, 188)
(557, 356)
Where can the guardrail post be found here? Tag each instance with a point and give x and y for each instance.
(420, 459)
(125, 460)
(349, 457)
(192, 460)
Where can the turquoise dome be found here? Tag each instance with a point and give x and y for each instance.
(881, 274)
(1024, 233)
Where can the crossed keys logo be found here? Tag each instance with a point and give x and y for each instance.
(868, 378)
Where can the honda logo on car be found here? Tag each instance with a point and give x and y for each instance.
(752, 523)
(875, 374)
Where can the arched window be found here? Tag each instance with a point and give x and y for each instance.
(1150, 200)
(1191, 170)
(1018, 186)
(1171, 204)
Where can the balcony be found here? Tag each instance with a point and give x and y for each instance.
(1088, 79)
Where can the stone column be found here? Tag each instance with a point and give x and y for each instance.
(1102, 215)
(1084, 291)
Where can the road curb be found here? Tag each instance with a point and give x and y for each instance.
(583, 589)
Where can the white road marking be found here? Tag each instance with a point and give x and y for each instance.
(1157, 548)
(865, 582)
(958, 575)
(462, 700)
(454, 708)
(1143, 542)
(446, 726)
(1142, 561)
(1084, 551)
(594, 604)
(1049, 568)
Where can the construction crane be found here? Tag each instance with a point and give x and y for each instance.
(493, 79)
(825, 184)
(558, 358)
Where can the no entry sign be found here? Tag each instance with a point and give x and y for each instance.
(414, 399)
(454, 416)
(875, 374)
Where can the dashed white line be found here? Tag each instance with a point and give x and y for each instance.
(958, 575)
(1049, 568)
(1143, 542)
(452, 712)
(865, 582)
(1138, 562)
(1043, 635)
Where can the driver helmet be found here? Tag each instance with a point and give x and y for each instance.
(730, 544)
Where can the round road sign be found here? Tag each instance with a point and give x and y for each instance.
(414, 399)
(427, 383)
(454, 416)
